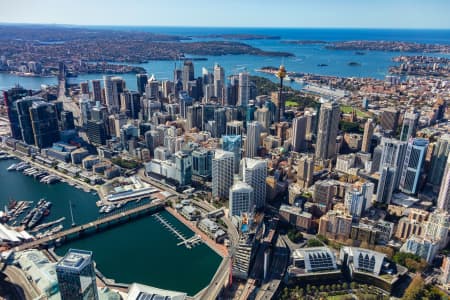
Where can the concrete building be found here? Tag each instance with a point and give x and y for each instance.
(367, 137)
(443, 202)
(305, 172)
(253, 140)
(389, 119)
(327, 130)
(241, 199)
(335, 225)
(233, 143)
(143, 292)
(222, 173)
(409, 127)
(386, 184)
(299, 133)
(438, 160)
(294, 216)
(244, 89)
(413, 165)
(254, 173)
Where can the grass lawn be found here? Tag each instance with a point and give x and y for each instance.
(291, 103)
(348, 109)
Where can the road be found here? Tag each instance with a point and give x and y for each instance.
(23, 286)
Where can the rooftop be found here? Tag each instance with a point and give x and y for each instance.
(75, 260)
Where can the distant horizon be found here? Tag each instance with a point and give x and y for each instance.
(218, 27)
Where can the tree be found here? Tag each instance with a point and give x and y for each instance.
(415, 290)
(314, 243)
(345, 286)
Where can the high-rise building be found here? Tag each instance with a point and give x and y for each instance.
(109, 97)
(241, 199)
(389, 119)
(188, 73)
(299, 133)
(219, 82)
(412, 165)
(392, 155)
(409, 127)
(10, 97)
(222, 173)
(118, 87)
(194, 117)
(353, 202)
(44, 121)
(202, 162)
(84, 88)
(233, 143)
(254, 173)
(97, 90)
(367, 137)
(327, 130)
(443, 202)
(244, 89)
(262, 115)
(438, 160)
(386, 184)
(76, 276)
(67, 122)
(324, 192)
(253, 140)
(221, 122)
(141, 82)
(305, 171)
(23, 110)
(152, 89)
(183, 164)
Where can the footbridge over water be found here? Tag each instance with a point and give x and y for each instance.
(94, 226)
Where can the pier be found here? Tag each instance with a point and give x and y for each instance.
(94, 226)
(188, 242)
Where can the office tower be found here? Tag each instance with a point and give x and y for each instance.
(97, 90)
(185, 102)
(367, 138)
(412, 165)
(262, 115)
(96, 132)
(324, 192)
(250, 112)
(76, 276)
(152, 89)
(241, 199)
(84, 88)
(386, 184)
(141, 82)
(232, 143)
(353, 202)
(305, 172)
(389, 119)
(233, 90)
(222, 173)
(118, 87)
(220, 119)
(327, 130)
(253, 140)
(244, 89)
(219, 82)
(10, 97)
(23, 110)
(392, 155)
(235, 128)
(254, 173)
(299, 133)
(183, 163)
(188, 73)
(438, 160)
(45, 123)
(194, 117)
(166, 88)
(67, 122)
(130, 104)
(109, 97)
(436, 227)
(443, 202)
(202, 162)
(409, 127)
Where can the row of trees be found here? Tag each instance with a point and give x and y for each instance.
(418, 290)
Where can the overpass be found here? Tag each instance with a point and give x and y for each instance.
(94, 226)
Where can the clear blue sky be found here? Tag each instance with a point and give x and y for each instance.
(232, 13)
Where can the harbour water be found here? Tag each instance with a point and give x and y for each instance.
(140, 251)
(373, 64)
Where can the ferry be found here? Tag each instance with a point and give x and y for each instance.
(12, 167)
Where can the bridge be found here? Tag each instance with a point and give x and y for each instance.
(94, 226)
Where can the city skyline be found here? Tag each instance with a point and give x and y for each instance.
(399, 14)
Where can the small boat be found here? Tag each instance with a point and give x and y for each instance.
(12, 167)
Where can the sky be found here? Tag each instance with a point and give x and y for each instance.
(425, 14)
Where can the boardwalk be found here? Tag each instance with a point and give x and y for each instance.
(131, 213)
(188, 242)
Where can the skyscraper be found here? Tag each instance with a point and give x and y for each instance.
(409, 127)
(241, 199)
(262, 115)
(392, 155)
(305, 171)
(254, 173)
(253, 139)
(110, 102)
(389, 119)
(438, 160)
(412, 165)
(183, 164)
(67, 122)
(327, 130)
(141, 82)
(244, 89)
(97, 90)
(233, 143)
(221, 122)
(443, 202)
(386, 184)
(299, 133)
(152, 89)
(10, 97)
(76, 276)
(202, 162)
(84, 88)
(23, 110)
(188, 73)
(354, 202)
(44, 121)
(367, 137)
(222, 173)
(219, 82)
